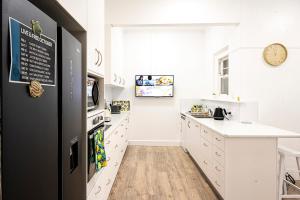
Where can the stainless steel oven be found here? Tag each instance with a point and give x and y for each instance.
(92, 93)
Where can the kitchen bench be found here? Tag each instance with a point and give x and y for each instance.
(240, 160)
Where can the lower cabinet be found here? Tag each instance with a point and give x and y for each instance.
(115, 147)
(237, 167)
(207, 149)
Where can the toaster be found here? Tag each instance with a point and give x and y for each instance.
(115, 109)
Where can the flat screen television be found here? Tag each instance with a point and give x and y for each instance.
(154, 85)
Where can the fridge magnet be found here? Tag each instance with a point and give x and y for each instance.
(32, 54)
(35, 89)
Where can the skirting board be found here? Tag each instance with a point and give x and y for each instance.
(155, 142)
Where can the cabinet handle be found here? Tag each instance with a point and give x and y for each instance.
(108, 181)
(197, 126)
(126, 141)
(101, 58)
(204, 131)
(189, 124)
(205, 162)
(108, 159)
(116, 164)
(217, 169)
(116, 133)
(116, 146)
(219, 140)
(122, 150)
(99, 190)
(204, 144)
(216, 182)
(122, 136)
(217, 154)
(108, 142)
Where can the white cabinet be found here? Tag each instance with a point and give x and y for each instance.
(183, 132)
(78, 10)
(193, 139)
(115, 146)
(238, 167)
(95, 38)
(115, 71)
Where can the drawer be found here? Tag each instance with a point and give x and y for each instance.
(218, 155)
(206, 149)
(206, 134)
(218, 171)
(99, 189)
(219, 185)
(218, 141)
(205, 165)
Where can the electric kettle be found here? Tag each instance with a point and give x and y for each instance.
(220, 113)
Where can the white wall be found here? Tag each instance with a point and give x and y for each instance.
(133, 12)
(162, 51)
(275, 89)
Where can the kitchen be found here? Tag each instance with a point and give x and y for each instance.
(146, 64)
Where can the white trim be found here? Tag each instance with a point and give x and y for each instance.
(155, 142)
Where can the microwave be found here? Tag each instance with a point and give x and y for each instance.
(92, 93)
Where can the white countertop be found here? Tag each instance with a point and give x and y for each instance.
(229, 128)
(116, 119)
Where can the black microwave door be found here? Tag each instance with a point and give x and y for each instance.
(95, 93)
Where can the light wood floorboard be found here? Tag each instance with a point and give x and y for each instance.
(159, 173)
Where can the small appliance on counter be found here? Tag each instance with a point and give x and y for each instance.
(220, 114)
(115, 109)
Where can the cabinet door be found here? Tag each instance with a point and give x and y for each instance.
(77, 10)
(95, 37)
(117, 56)
(195, 141)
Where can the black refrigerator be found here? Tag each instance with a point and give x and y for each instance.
(41, 137)
(73, 172)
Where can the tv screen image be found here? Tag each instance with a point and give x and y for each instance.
(154, 85)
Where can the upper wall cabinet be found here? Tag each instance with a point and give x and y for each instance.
(78, 10)
(95, 37)
(115, 55)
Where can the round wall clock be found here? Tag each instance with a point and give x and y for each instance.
(275, 54)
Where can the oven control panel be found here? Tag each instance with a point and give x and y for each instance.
(95, 120)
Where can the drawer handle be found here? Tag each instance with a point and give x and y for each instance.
(204, 144)
(116, 164)
(116, 146)
(122, 136)
(217, 154)
(122, 124)
(116, 132)
(108, 181)
(219, 140)
(204, 131)
(197, 126)
(99, 190)
(216, 182)
(217, 169)
(205, 162)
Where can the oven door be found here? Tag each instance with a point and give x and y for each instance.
(93, 94)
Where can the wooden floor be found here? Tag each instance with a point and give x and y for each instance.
(159, 173)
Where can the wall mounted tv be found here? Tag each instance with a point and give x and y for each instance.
(154, 85)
